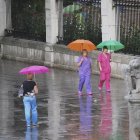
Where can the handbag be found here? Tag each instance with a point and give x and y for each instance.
(20, 91)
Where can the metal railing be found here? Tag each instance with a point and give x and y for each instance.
(28, 19)
(84, 22)
(129, 22)
(90, 28)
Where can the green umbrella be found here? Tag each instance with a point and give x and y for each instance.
(71, 8)
(111, 44)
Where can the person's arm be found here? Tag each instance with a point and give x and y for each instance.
(99, 62)
(99, 65)
(81, 61)
(36, 89)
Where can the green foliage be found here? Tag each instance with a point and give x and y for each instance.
(131, 40)
(83, 25)
(29, 16)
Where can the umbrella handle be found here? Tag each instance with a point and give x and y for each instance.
(34, 77)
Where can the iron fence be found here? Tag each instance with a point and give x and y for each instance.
(129, 22)
(28, 19)
(90, 28)
(83, 22)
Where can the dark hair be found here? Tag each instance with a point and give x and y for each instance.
(105, 47)
(84, 50)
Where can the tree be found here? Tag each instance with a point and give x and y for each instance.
(28, 19)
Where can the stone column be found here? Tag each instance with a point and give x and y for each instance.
(51, 10)
(8, 14)
(109, 24)
(2, 17)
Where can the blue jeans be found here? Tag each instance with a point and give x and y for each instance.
(30, 107)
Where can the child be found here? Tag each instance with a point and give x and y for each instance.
(29, 99)
(84, 64)
(104, 59)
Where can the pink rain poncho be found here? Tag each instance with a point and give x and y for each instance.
(106, 70)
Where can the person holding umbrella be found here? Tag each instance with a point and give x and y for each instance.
(104, 59)
(30, 90)
(29, 99)
(84, 63)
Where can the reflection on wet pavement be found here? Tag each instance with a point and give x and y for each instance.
(62, 114)
(31, 133)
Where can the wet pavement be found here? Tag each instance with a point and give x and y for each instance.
(62, 114)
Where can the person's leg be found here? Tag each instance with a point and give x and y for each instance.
(27, 108)
(34, 111)
(102, 79)
(107, 82)
(88, 84)
(81, 83)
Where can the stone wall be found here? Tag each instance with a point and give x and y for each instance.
(55, 55)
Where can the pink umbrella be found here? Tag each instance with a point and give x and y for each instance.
(34, 70)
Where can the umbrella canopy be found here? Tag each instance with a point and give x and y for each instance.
(79, 45)
(111, 44)
(34, 70)
(71, 8)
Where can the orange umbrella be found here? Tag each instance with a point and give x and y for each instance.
(80, 44)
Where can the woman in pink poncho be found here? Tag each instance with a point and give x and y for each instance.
(104, 59)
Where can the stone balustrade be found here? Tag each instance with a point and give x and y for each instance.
(55, 55)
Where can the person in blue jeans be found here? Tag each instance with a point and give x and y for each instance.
(29, 99)
(84, 63)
